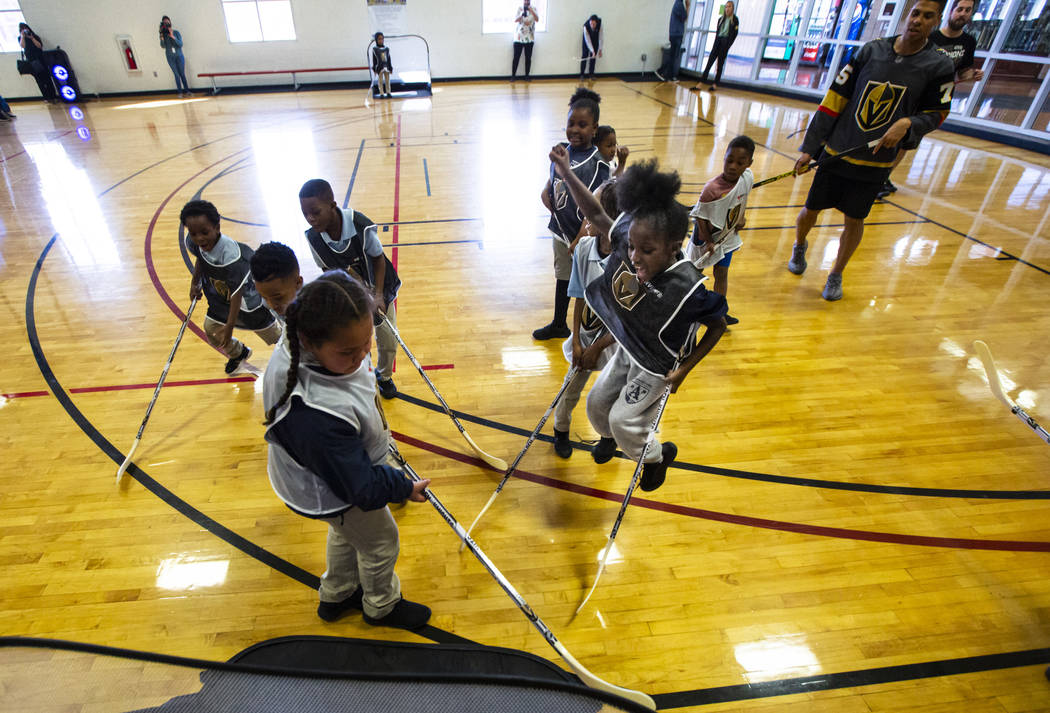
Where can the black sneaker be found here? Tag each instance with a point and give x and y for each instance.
(604, 450)
(561, 443)
(404, 615)
(551, 331)
(331, 611)
(732, 320)
(887, 188)
(387, 388)
(232, 364)
(653, 474)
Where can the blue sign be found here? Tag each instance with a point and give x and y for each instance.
(60, 72)
(68, 93)
(77, 113)
(84, 133)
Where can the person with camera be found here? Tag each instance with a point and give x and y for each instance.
(171, 41)
(524, 37)
(33, 53)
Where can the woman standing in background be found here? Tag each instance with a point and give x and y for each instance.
(524, 37)
(593, 40)
(171, 41)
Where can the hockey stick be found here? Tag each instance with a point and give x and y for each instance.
(491, 460)
(997, 388)
(817, 164)
(156, 392)
(532, 437)
(627, 497)
(588, 678)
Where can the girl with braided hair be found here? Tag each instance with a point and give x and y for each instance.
(328, 447)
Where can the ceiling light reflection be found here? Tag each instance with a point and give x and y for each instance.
(186, 574)
(73, 207)
(285, 158)
(776, 656)
(525, 361)
(159, 103)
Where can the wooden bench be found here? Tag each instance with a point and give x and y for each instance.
(293, 72)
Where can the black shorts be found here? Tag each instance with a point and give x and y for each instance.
(832, 190)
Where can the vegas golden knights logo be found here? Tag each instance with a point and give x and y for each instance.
(589, 320)
(734, 215)
(878, 104)
(625, 287)
(221, 288)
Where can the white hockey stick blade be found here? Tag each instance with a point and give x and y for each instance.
(601, 568)
(492, 499)
(997, 388)
(127, 460)
(592, 681)
(497, 463)
(992, 372)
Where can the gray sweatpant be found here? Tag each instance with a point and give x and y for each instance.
(362, 549)
(622, 404)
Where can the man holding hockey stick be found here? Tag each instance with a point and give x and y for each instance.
(894, 89)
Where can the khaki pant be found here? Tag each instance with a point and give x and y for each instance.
(387, 344)
(362, 549)
(213, 328)
(562, 260)
(569, 399)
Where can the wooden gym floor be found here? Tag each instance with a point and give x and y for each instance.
(851, 505)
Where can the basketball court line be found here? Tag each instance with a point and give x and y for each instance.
(669, 700)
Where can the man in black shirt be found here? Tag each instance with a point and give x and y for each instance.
(960, 47)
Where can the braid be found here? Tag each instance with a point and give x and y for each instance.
(292, 318)
(332, 301)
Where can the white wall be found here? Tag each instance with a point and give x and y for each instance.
(330, 33)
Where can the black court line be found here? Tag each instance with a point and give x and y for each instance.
(841, 225)
(764, 477)
(353, 176)
(1000, 251)
(853, 679)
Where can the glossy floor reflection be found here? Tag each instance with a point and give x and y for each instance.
(849, 495)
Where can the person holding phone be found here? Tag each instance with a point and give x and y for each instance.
(33, 51)
(524, 37)
(171, 41)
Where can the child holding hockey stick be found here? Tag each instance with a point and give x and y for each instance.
(652, 301)
(222, 274)
(719, 214)
(591, 168)
(586, 348)
(275, 270)
(328, 447)
(345, 239)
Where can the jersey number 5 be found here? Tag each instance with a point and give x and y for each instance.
(844, 74)
(946, 92)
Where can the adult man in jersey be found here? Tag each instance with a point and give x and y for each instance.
(894, 89)
(960, 47)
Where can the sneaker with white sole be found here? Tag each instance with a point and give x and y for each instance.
(833, 287)
(797, 263)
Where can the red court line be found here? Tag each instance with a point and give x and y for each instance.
(129, 387)
(191, 382)
(148, 249)
(800, 528)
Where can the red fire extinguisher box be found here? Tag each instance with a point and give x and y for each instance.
(127, 54)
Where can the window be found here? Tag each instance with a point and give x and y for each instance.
(10, 16)
(498, 16)
(258, 20)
